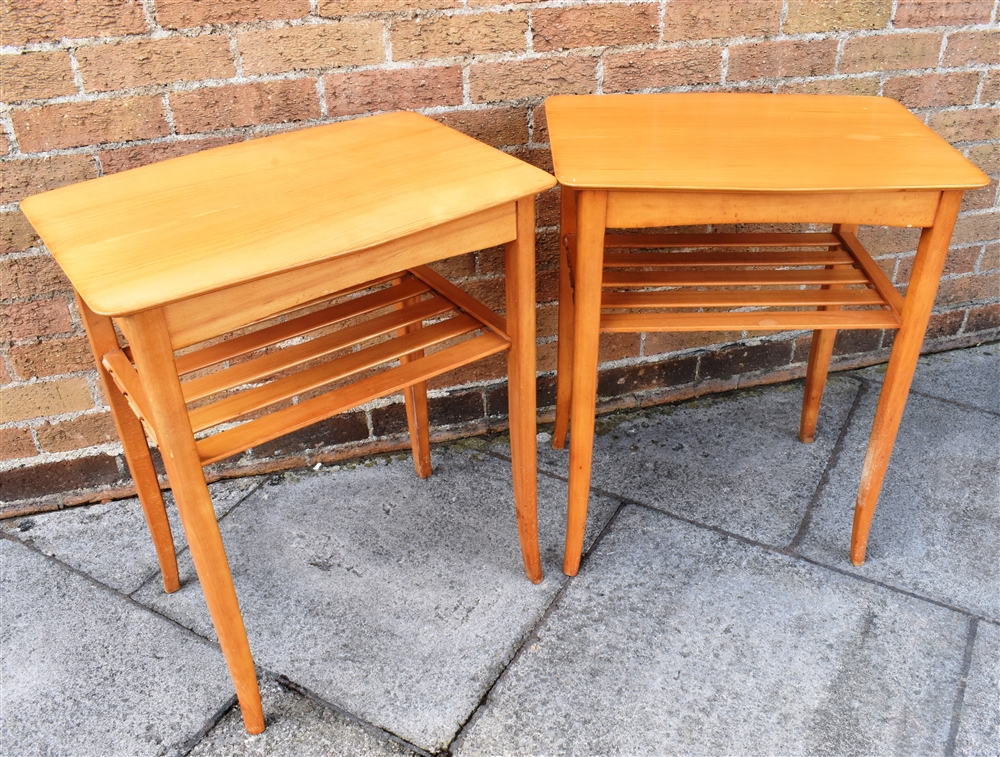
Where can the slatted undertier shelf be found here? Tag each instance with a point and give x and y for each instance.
(745, 281)
(364, 344)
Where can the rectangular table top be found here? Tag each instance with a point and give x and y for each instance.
(203, 222)
(745, 142)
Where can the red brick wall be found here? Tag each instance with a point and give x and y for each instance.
(91, 87)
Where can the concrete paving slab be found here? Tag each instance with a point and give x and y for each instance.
(110, 541)
(676, 639)
(397, 599)
(297, 726)
(732, 461)
(979, 728)
(936, 529)
(86, 671)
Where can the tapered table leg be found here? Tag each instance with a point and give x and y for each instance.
(415, 402)
(564, 366)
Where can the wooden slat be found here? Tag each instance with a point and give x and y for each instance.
(725, 258)
(242, 345)
(741, 298)
(275, 362)
(732, 278)
(127, 380)
(754, 321)
(292, 418)
(721, 239)
(235, 406)
(461, 299)
(875, 273)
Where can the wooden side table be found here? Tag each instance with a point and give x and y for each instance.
(267, 285)
(645, 161)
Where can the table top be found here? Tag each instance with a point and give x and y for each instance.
(744, 142)
(203, 222)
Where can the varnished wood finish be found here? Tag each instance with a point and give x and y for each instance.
(564, 354)
(312, 247)
(648, 161)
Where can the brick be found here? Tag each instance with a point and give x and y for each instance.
(990, 92)
(595, 26)
(395, 89)
(867, 86)
(673, 341)
(458, 407)
(4, 144)
(744, 359)
(178, 14)
(58, 477)
(943, 325)
(784, 58)
(854, 341)
(685, 20)
(890, 52)
(968, 289)
(457, 267)
(114, 161)
(984, 197)
(388, 420)
(910, 13)
(539, 157)
(449, 36)
(933, 90)
(497, 127)
(987, 157)
(887, 240)
(657, 69)
(79, 433)
(16, 234)
(78, 124)
(991, 258)
(16, 443)
(5, 377)
(618, 346)
(806, 16)
(636, 378)
(28, 276)
(335, 8)
(27, 21)
(44, 398)
(52, 357)
(983, 227)
(155, 61)
(541, 77)
(25, 320)
(32, 175)
(35, 76)
(350, 43)
(972, 48)
(245, 105)
(969, 125)
(981, 319)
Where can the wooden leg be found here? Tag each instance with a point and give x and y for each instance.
(820, 352)
(102, 337)
(586, 332)
(155, 366)
(564, 366)
(927, 268)
(415, 400)
(520, 271)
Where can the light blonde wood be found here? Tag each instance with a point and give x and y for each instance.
(130, 387)
(762, 320)
(466, 303)
(724, 258)
(718, 240)
(711, 298)
(723, 278)
(874, 272)
(564, 355)
(415, 397)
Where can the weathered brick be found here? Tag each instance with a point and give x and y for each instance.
(595, 26)
(58, 477)
(78, 433)
(805, 16)
(987, 157)
(24, 320)
(890, 52)
(943, 325)
(177, 14)
(336, 8)
(16, 234)
(5, 377)
(28, 276)
(457, 267)
(33, 76)
(636, 378)
(44, 398)
(16, 443)
(89, 123)
(696, 19)
(618, 346)
(497, 127)
(32, 175)
(27, 21)
(969, 125)
(744, 359)
(245, 105)
(656, 69)
(541, 77)
(981, 319)
(990, 92)
(113, 161)
(349, 43)
(972, 48)
(942, 12)
(448, 36)
(991, 258)
(982, 227)
(967, 289)
(673, 341)
(395, 89)
(863, 85)
(784, 58)
(52, 357)
(979, 199)
(933, 90)
(155, 61)
(458, 407)
(4, 144)
(960, 260)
